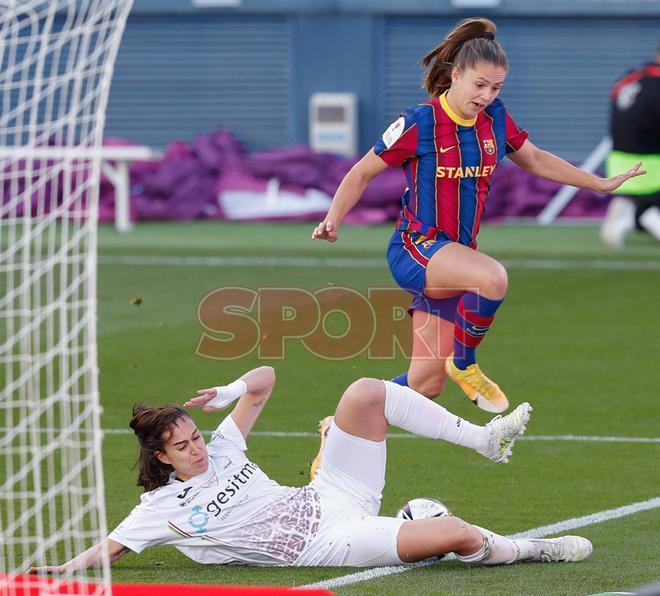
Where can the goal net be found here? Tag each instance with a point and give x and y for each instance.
(56, 64)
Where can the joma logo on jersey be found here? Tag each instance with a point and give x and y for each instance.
(185, 492)
(467, 172)
(190, 499)
(489, 146)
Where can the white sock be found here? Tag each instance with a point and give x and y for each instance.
(411, 411)
(498, 550)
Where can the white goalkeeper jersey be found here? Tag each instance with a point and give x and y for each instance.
(233, 513)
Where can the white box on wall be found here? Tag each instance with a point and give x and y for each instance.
(333, 123)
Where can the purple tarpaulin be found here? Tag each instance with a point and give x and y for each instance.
(190, 179)
(186, 182)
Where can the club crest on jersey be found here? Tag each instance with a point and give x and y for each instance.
(489, 146)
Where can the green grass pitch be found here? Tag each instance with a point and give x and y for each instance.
(577, 337)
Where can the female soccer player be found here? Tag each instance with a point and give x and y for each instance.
(448, 148)
(216, 506)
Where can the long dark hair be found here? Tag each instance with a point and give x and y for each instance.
(151, 427)
(471, 41)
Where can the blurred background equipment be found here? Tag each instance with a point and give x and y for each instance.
(253, 69)
(333, 123)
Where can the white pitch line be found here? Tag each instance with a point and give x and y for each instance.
(588, 520)
(590, 438)
(361, 263)
(173, 261)
(549, 438)
(310, 434)
(540, 532)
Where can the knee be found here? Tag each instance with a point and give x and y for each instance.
(496, 283)
(465, 537)
(364, 394)
(429, 386)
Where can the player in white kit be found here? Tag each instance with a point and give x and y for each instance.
(216, 506)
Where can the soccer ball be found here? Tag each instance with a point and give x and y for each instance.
(422, 508)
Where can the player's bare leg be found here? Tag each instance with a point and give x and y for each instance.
(484, 281)
(433, 342)
(424, 538)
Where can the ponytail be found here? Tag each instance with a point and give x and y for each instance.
(151, 426)
(471, 41)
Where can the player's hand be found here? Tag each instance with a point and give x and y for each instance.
(217, 398)
(46, 570)
(204, 397)
(609, 185)
(325, 231)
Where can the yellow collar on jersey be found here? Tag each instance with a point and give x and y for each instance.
(453, 115)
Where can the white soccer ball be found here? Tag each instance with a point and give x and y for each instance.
(422, 508)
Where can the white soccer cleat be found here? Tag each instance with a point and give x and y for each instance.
(504, 430)
(619, 220)
(650, 221)
(567, 549)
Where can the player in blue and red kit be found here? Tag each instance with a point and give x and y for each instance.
(448, 148)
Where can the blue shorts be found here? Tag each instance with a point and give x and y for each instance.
(408, 255)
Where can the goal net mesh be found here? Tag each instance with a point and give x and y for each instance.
(56, 64)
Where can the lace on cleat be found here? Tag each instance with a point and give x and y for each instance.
(484, 392)
(567, 549)
(324, 427)
(504, 430)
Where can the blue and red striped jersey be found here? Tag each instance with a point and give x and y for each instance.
(448, 162)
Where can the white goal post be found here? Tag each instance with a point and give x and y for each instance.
(56, 63)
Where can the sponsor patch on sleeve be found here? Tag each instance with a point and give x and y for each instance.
(395, 130)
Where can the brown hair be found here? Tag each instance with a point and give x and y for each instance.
(151, 426)
(471, 41)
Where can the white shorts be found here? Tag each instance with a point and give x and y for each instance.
(350, 483)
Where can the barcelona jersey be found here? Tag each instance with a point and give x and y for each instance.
(448, 162)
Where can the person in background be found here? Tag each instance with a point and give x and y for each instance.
(448, 148)
(635, 131)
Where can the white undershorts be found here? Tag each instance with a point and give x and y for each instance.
(350, 483)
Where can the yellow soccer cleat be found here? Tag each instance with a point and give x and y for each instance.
(477, 386)
(324, 427)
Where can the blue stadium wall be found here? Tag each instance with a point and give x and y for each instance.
(186, 68)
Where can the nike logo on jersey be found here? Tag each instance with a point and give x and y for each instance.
(445, 149)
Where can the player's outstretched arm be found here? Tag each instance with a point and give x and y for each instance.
(348, 194)
(252, 391)
(547, 165)
(92, 557)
